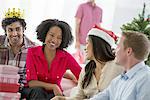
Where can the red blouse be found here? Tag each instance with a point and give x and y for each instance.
(37, 66)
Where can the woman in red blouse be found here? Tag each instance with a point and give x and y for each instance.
(47, 64)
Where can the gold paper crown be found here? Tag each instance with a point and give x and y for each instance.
(14, 13)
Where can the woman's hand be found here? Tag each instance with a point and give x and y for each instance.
(75, 81)
(57, 91)
(69, 75)
(58, 98)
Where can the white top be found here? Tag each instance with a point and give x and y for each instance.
(109, 71)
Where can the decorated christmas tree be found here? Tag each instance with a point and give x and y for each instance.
(139, 24)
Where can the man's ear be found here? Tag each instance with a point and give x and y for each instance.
(24, 29)
(129, 51)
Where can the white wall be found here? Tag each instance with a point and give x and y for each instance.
(60, 9)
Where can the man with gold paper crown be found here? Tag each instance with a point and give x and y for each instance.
(14, 44)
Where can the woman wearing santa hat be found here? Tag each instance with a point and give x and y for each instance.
(101, 68)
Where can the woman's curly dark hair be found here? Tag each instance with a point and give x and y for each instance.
(45, 25)
(102, 52)
(8, 21)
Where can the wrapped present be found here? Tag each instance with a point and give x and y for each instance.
(7, 78)
(8, 69)
(9, 96)
(4, 87)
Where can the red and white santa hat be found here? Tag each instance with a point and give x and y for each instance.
(106, 35)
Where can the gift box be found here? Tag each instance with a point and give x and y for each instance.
(4, 87)
(9, 96)
(7, 78)
(8, 69)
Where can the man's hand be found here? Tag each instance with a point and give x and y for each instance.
(77, 45)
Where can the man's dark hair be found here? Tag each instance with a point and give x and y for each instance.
(8, 21)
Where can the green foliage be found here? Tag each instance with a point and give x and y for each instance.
(139, 24)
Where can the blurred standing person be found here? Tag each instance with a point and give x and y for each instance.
(87, 15)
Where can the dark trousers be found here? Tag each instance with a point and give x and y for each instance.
(36, 93)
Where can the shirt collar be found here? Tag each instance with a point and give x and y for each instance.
(59, 53)
(26, 43)
(129, 74)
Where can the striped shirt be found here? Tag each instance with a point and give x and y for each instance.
(19, 60)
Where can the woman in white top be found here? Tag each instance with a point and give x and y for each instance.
(101, 69)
